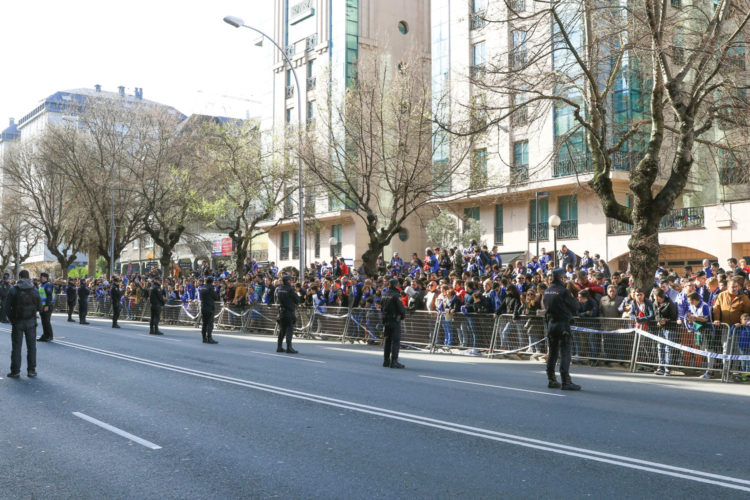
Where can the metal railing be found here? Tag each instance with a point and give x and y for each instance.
(672, 348)
(543, 231)
(571, 164)
(310, 42)
(311, 82)
(568, 230)
(678, 219)
(289, 91)
(478, 20)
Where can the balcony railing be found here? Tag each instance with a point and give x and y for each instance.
(289, 49)
(498, 235)
(679, 219)
(519, 117)
(625, 160)
(518, 5)
(518, 58)
(289, 91)
(477, 71)
(543, 231)
(568, 230)
(311, 81)
(478, 20)
(732, 175)
(310, 42)
(572, 164)
(519, 174)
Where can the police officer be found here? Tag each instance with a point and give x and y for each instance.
(71, 293)
(156, 298)
(287, 299)
(21, 305)
(208, 297)
(4, 290)
(393, 311)
(561, 306)
(83, 301)
(115, 295)
(47, 295)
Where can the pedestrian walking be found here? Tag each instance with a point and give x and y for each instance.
(561, 306)
(83, 301)
(21, 305)
(47, 296)
(156, 298)
(394, 312)
(287, 299)
(115, 295)
(208, 298)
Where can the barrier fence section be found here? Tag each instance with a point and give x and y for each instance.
(720, 349)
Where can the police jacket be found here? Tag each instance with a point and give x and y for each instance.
(70, 293)
(83, 293)
(47, 294)
(116, 294)
(156, 296)
(287, 299)
(208, 297)
(22, 302)
(559, 303)
(4, 289)
(392, 307)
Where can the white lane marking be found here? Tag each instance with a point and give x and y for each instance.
(163, 338)
(587, 454)
(287, 356)
(493, 386)
(119, 432)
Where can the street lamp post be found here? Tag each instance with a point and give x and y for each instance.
(554, 222)
(543, 194)
(238, 22)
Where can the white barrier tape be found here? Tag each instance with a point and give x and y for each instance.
(332, 316)
(367, 330)
(524, 348)
(591, 330)
(707, 354)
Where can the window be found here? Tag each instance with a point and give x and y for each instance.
(518, 5)
(317, 242)
(403, 235)
(311, 80)
(403, 27)
(478, 54)
(284, 247)
(336, 231)
(520, 168)
(136, 243)
(520, 114)
(310, 72)
(498, 224)
(295, 247)
(567, 209)
(310, 112)
(478, 5)
(289, 85)
(289, 116)
(441, 176)
(676, 3)
(478, 174)
(148, 242)
(478, 12)
(518, 48)
(543, 225)
(471, 213)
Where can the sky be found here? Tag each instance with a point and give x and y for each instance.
(179, 51)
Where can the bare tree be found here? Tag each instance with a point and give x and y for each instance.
(94, 150)
(18, 238)
(371, 152)
(648, 87)
(166, 176)
(47, 200)
(247, 183)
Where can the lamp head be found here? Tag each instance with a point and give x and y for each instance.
(554, 220)
(234, 21)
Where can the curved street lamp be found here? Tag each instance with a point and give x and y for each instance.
(237, 23)
(554, 223)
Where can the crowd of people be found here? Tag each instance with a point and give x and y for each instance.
(467, 281)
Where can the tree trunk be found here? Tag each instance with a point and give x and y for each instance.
(165, 261)
(370, 257)
(65, 262)
(240, 253)
(644, 252)
(93, 254)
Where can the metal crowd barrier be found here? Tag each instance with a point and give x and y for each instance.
(603, 339)
(738, 348)
(329, 322)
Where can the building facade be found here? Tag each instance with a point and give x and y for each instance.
(324, 39)
(533, 165)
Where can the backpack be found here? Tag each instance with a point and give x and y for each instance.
(26, 307)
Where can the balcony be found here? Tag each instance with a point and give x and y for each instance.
(477, 71)
(478, 20)
(568, 230)
(518, 58)
(625, 160)
(518, 5)
(519, 117)
(289, 91)
(289, 50)
(519, 174)
(311, 82)
(679, 219)
(571, 164)
(543, 231)
(729, 176)
(310, 42)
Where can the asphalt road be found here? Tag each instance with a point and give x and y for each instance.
(121, 414)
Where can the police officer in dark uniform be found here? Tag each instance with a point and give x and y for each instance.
(83, 301)
(208, 297)
(156, 298)
(71, 293)
(47, 294)
(561, 306)
(115, 295)
(393, 311)
(21, 306)
(287, 299)
(4, 290)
